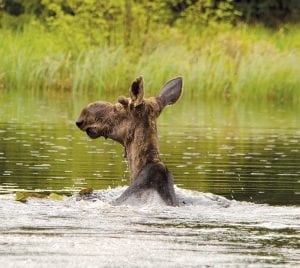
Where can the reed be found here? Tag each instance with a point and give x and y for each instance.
(243, 63)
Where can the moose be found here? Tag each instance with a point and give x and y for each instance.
(132, 123)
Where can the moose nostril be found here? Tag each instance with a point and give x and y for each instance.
(79, 123)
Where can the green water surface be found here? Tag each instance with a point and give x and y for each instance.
(241, 151)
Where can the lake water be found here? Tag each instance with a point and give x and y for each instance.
(237, 173)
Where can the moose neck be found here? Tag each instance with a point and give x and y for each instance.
(142, 149)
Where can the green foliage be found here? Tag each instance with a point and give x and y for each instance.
(210, 13)
(111, 12)
(59, 46)
(270, 12)
(242, 63)
(128, 23)
(85, 19)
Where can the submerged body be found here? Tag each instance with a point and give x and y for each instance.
(132, 123)
(154, 176)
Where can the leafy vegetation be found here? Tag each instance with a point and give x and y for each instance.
(86, 47)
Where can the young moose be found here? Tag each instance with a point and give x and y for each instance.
(132, 123)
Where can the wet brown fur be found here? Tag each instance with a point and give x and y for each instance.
(131, 122)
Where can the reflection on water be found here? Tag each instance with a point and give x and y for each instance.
(261, 165)
(235, 152)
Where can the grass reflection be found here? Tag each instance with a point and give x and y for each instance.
(239, 151)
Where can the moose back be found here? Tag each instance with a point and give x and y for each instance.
(132, 123)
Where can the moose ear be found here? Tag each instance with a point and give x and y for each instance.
(137, 91)
(170, 92)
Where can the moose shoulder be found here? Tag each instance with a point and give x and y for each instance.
(132, 123)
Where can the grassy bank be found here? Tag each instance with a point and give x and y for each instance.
(243, 63)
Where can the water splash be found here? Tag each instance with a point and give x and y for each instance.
(204, 230)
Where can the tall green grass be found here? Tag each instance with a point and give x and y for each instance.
(243, 63)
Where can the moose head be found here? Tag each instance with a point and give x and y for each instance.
(131, 122)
